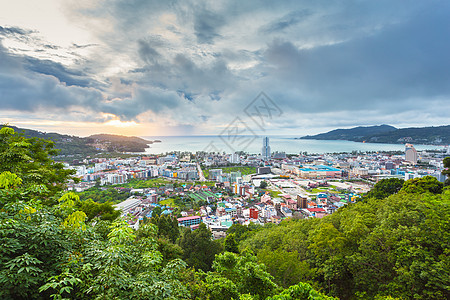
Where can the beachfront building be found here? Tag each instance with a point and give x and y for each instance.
(265, 151)
(410, 153)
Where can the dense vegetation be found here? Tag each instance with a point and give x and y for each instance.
(120, 143)
(387, 134)
(102, 195)
(74, 145)
(396, 246)
(56, 245)
(352, 134)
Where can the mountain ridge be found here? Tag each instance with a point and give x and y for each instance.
(71, 144)
(436, 135)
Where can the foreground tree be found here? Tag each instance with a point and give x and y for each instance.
(385, 187)
(29, 159)
(50, 247)
(198, 247)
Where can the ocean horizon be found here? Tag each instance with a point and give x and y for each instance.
(278, 143)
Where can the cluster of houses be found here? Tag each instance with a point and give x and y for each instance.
(300, 183)
(244, 205)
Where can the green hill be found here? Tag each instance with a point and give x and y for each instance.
(425, 135)
(387, 134)
(119, 143)
(353, 134)
(74, 145)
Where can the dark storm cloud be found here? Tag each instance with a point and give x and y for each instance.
(24, 90)
(47, 88)
(183, 75)
(207, 25)
(382, 57)
(83, 46)
(5, 31)
(385, 70)
(286, 21)
(143, 100)
(147, 53)
(65, 75)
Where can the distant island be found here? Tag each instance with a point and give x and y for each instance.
(72, 145)
(387, 134)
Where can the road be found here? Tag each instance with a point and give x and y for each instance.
(200, 173)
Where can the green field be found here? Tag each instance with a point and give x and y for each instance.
(243, 169)
(201, 195)
(142, 184)
(323, 189)
(168, 202)
(207, 183)
(273, 194)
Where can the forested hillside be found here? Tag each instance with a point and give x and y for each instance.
(397, 246)
(352, 134)
(439, 135)
(74, 145)
(394, 243)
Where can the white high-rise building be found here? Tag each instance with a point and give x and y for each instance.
(410, 153)
(234, 158)
(265, 152)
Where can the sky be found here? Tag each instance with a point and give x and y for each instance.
(140, 67)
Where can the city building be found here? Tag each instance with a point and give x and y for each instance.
(410, 154)
(214, 174)
(234, 158)
(253, 213)
(189, 221)
(234, 176)
(263, 170)
(265, 151)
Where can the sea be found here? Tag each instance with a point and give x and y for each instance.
(253, 145)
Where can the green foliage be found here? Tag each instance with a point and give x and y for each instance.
(286, 267)
(8, 180)
(29, 160)
(167, 226)
(301, 291)
(102, 195)
(230, 244)
(199, 250)
(241, 232)
(427, 184)
(220, 288)
(397, 246)
(52, 251)
(263, 184)
(385, 188)
(142, 184)
(245, 170)
(105, 211)
(249, 276)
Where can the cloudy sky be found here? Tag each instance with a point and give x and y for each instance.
(191, 67)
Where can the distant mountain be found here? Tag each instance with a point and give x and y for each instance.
(439, 135)
(71, 145)
(119, 143)
(390, 135)
(353, 134)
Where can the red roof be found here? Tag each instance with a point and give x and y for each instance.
(188, 218)
(316, 209)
